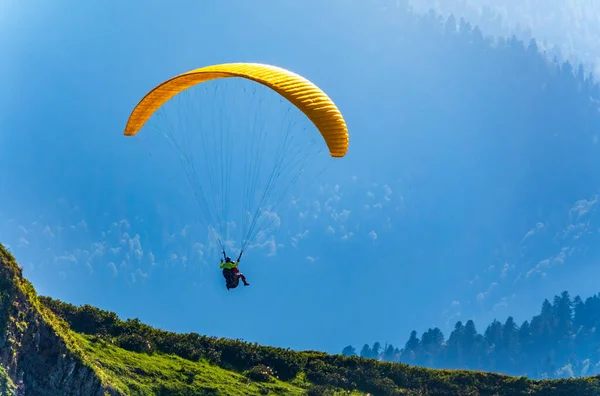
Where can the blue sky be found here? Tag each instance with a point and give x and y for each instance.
(360, 256)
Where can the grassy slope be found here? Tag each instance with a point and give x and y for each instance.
(138, 373)
(152, 374)
(159, 373)
(11, 273)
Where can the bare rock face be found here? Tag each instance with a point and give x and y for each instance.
(36, 357)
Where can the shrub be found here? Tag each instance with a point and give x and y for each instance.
(134, 343)
(261, 373)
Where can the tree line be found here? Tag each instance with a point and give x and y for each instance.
(563, 340)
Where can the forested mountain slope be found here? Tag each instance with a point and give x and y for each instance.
(561, 341)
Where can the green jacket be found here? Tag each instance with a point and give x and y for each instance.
(229, 265)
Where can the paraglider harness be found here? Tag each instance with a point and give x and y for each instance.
(231, 280)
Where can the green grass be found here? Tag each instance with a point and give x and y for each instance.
(144, 374)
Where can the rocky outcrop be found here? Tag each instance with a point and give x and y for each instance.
(33, 351)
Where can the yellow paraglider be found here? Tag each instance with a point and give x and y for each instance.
(303, 94)
(219, 193)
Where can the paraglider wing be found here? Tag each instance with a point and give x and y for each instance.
(303, 94)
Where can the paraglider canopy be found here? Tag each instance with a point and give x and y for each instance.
(211, 181)
(303, 94)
